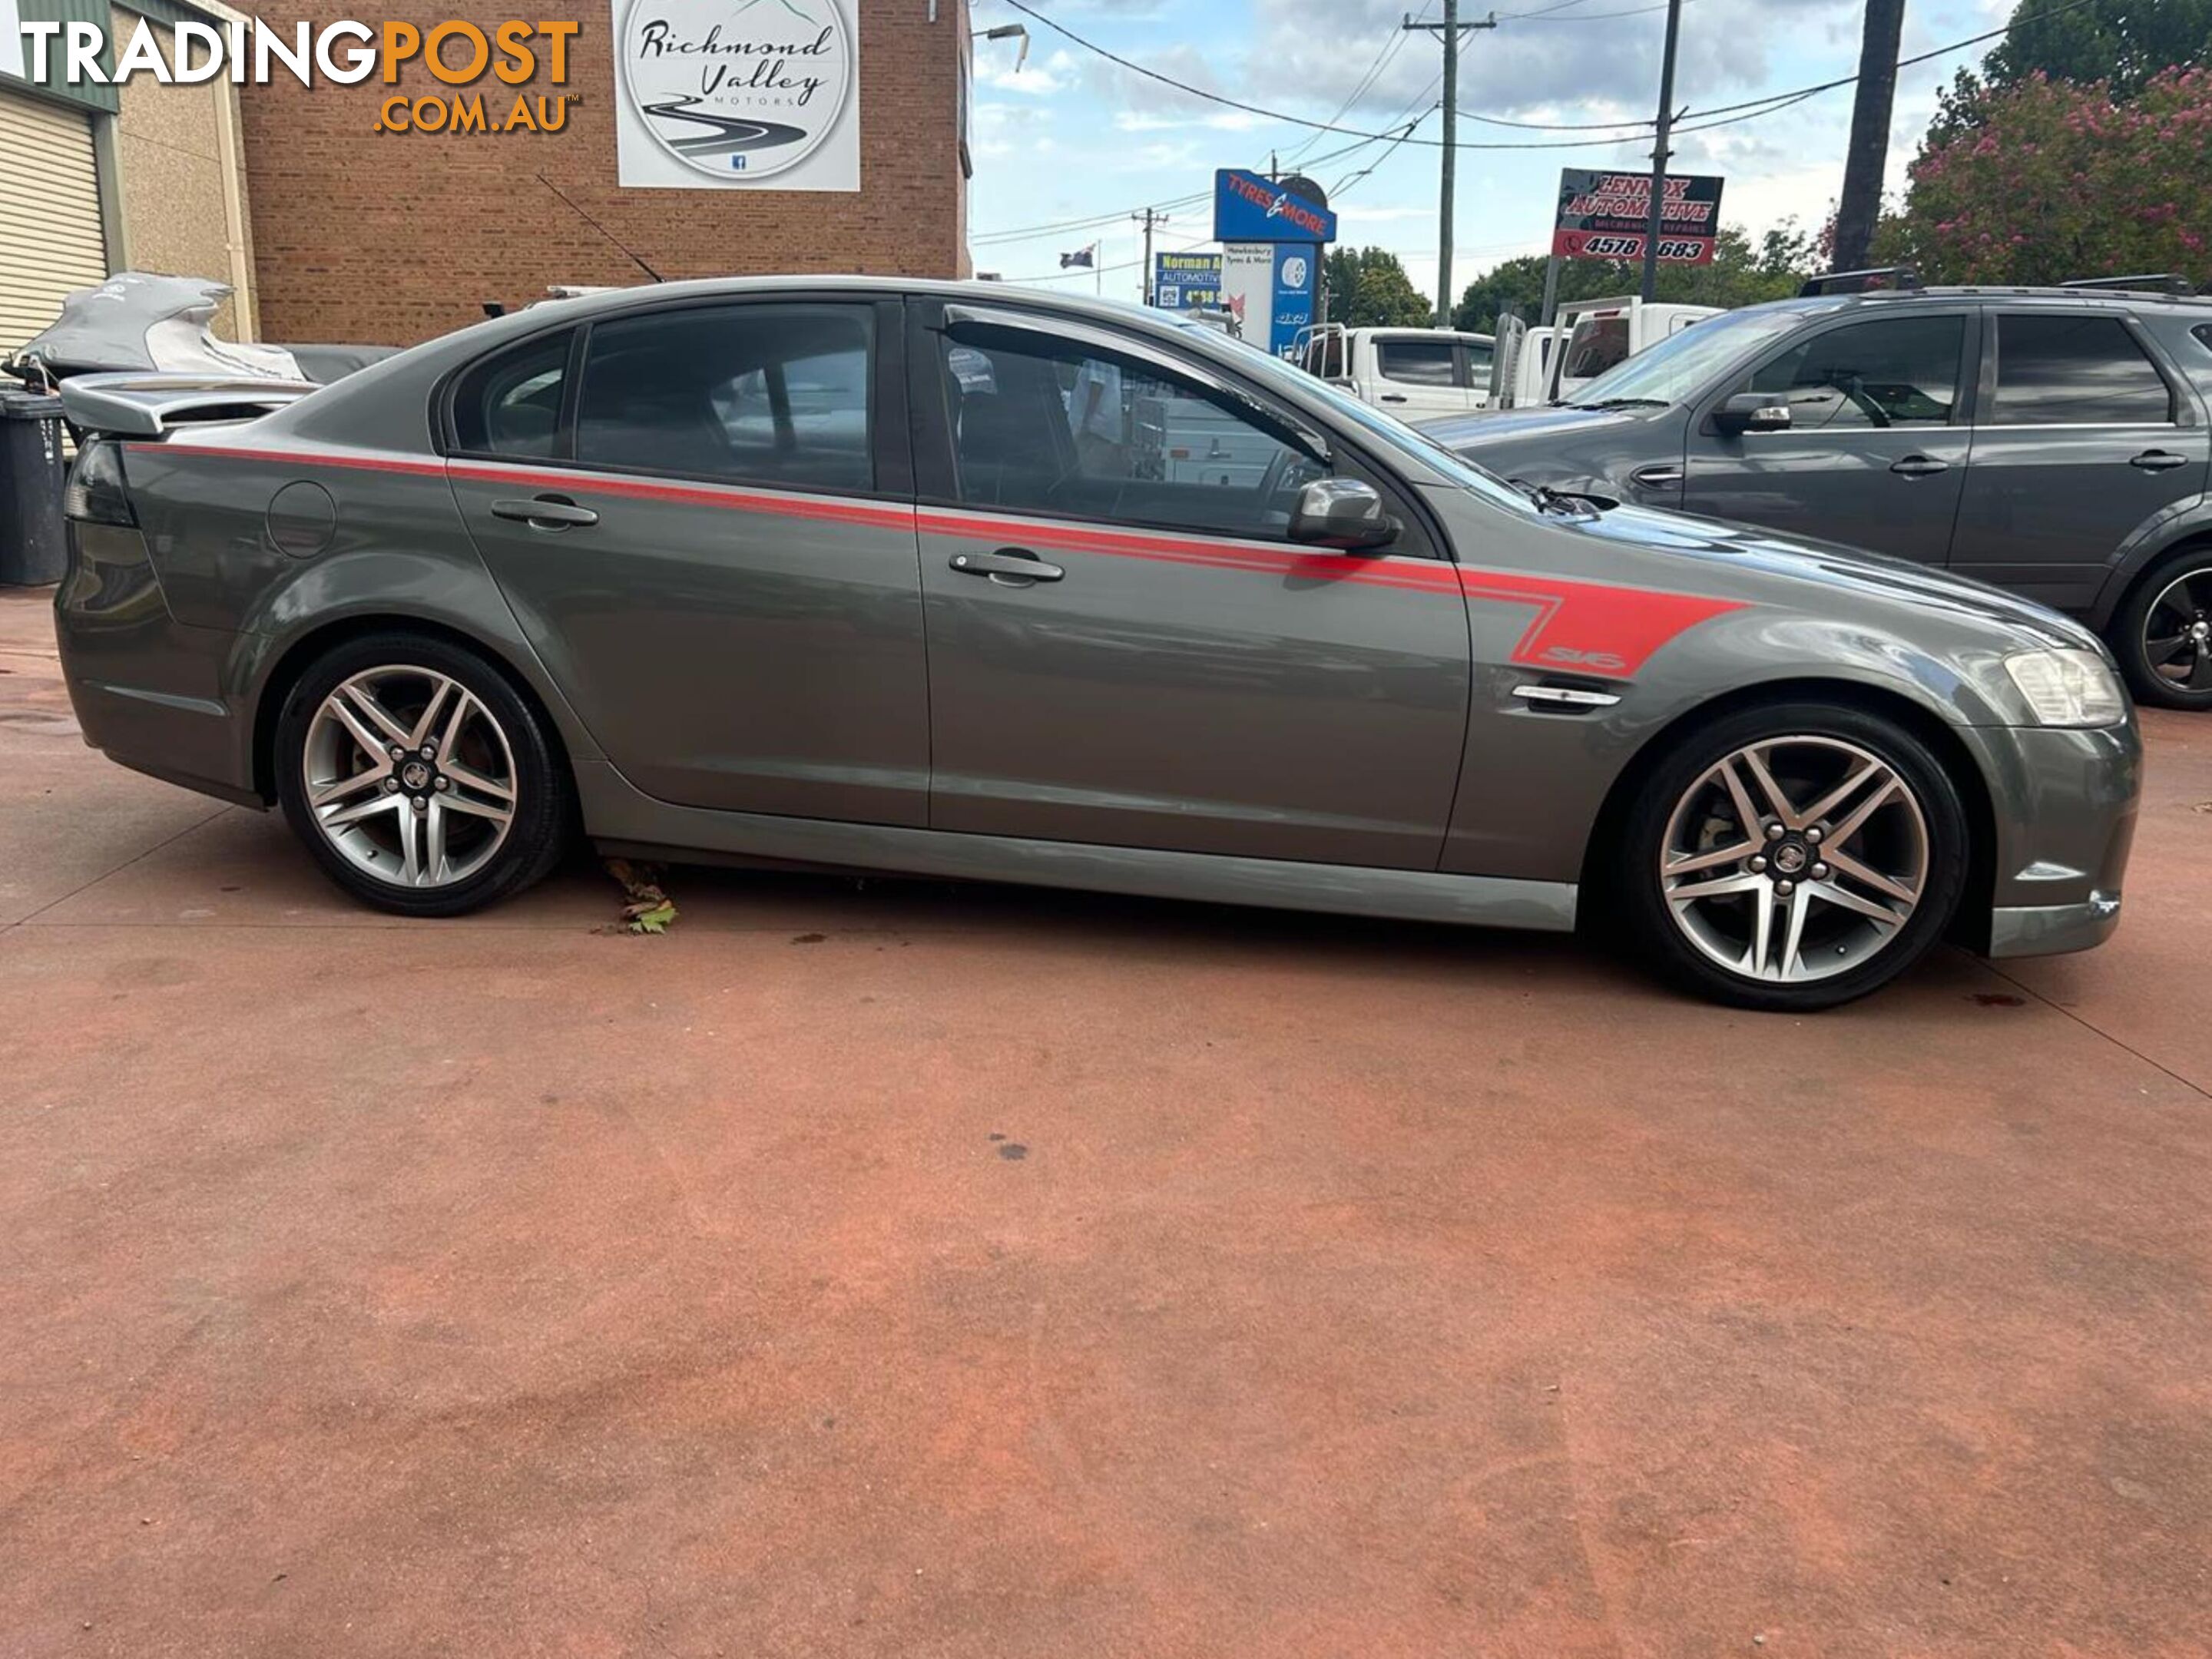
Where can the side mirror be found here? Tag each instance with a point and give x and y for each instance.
(1342, 513)
(1752, 411)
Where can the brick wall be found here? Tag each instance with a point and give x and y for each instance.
(394, 237)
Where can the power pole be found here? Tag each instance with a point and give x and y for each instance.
(1449, 30)
(1660, 154)
(1145, 287)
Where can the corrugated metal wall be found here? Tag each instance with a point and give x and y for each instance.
(51, 240)
(74, 11)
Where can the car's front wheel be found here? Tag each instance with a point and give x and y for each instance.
(2163, 634)
(1793, 858)
(421, 781)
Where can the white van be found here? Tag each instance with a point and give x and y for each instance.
(1415, 374)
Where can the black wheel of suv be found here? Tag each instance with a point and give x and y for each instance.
(1792, 858)
(2163, 634)
(418, 777)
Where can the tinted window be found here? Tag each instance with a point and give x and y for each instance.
(2071, 371)
(1325, 356)
(1597, 344)
(1900, 371)
(1478, 361)
(1076, 434)
(1417, 362)
(756, 394)
(511, 405)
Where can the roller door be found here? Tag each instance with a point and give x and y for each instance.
(50, 236)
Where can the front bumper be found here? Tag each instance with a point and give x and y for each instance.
(2063, 806)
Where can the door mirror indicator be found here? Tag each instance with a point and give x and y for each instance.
(1752, 411)
(1342, 513)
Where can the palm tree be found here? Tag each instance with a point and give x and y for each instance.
(1869, 150)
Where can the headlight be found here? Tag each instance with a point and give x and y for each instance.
(2068, 688)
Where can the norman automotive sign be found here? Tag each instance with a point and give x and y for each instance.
(1606, 216)
(738, 94)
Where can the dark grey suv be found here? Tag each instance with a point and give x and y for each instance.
(2054, 441)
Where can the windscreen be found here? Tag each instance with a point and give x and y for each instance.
(1676, 368)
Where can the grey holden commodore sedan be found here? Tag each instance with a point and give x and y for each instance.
(962, 581)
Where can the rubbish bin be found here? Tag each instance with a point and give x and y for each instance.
(31, 479)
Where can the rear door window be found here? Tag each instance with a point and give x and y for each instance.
(2060, 370)
(1897, 371)
(1416, 362)
(767, 394)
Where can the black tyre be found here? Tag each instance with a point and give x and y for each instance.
(418, 777)
(1791, 857)
(2163, 634)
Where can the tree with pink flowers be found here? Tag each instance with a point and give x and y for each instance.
(2052, 181)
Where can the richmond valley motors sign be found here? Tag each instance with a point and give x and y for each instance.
(737, 94)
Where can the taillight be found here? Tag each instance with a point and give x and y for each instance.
(97, 491)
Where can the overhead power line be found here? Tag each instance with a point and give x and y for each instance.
(1767, 105)
(1902, 63)
(1135, 67)
(1702, 120)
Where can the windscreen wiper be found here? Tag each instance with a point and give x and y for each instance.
(1559, 501)
(1623, 403)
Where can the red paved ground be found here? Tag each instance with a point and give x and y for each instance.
(912, 1270)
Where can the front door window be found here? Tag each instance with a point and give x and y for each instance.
(1075, 433)
(1898, 371)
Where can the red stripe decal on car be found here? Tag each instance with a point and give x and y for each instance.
(1588, 628)
(1593, 628)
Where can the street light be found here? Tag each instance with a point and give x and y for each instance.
(1007, 32)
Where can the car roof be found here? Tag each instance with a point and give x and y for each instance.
(2113, 298)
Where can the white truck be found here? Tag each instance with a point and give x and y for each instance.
(1602, 333)
(1535, 364)
(1415, 374)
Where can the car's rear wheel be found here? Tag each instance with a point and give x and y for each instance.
(1793, 858)
(2163, 634)
(421, 781)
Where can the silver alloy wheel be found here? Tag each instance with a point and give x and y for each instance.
(2177, 633)
(1795, 858)
(409, 776)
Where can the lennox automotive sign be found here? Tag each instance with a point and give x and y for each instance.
(1604, 215)
(737, 94)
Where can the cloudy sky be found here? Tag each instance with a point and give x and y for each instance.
(1072, 137)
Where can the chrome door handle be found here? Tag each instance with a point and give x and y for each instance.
(2158, 460)
(1919, 466)
(1009, 567)
(546, 512)
(1565, 696)
(1656, 477)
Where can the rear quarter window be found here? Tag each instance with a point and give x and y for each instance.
(510, 403)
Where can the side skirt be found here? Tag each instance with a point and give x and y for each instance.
(619, 819)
